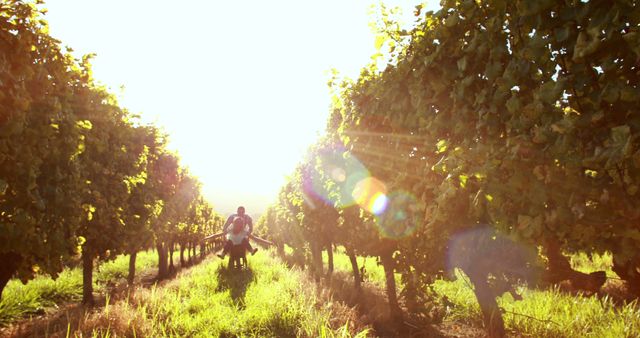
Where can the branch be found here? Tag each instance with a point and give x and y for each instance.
(530, 317)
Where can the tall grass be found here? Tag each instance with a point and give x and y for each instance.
(269, 299)
(545, 313)
(118, 269)
(590, 263)
(541, 313)
(266, 300)
(373, 271)
(44, 293)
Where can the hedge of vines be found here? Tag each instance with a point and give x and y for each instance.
(78, 174)
(497, 128)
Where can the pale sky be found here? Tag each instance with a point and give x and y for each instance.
(240, 86)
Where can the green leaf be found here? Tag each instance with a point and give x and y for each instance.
(549, 92)
(513, 104)
(462, 64)
(379, 41)
(3, 186)
(562, 33)
(610, 93)
(629, 94)
(620, 134)
(84, 124)
(452, 20)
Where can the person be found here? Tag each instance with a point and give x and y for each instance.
(240, 213)
(238, 234)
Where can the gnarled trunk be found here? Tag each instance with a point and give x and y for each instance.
(316, 260)
(386, 259)
(10, 262)
(329, 259)
(487, 300)
(357, 278)
(628, 272)
(559, 269)
(182, 248)
(163, 270)
(87, 276)
(171, 249)
(132, 268)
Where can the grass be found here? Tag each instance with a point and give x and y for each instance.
(209, 300)
(373, 272)
(270, 299)
(545, 313)
(43, 293)
(583, 263)
(118, 269)
(541, 313)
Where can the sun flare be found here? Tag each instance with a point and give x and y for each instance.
(241, 102)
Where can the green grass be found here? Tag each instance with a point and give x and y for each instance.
(42, 293)
(583, 263)
(266, 300)
(546, 313)
(118, 269)
(20, 300)
(541, 313)
(373, 272)
(271, 300)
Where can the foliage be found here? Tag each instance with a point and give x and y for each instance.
(519, 115)
(78, 173)
(40, 139)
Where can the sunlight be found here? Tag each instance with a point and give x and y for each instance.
(240, 88)
(400, 217)
(370, 194)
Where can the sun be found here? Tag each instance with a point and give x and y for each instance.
(240, 88)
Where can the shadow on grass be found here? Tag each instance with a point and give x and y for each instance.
(69, 314)
(235, 280)
(274, 327)
(370, 303)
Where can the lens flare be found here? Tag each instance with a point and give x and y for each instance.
(370, 194)
(496, 253)
(401, 216)
(344, 169)
(338, 174)
(379, 204)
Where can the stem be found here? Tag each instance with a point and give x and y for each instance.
(491, 313)
(87, 276)
(132, 268)
(171, 248)
(329, 259)
(357, 278)
(182, 254)
(162, 260)
(9, 266)
(388, 264)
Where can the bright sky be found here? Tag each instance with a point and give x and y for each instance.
(240, 86)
